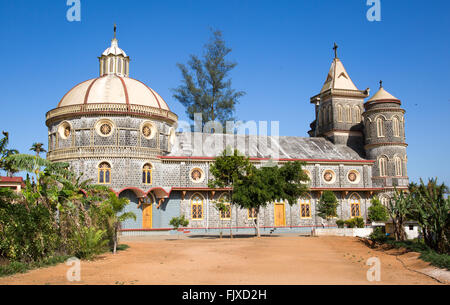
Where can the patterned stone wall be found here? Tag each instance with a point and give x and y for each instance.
(127, 133)
(386, 143)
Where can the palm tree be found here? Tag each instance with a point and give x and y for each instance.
(7, 164)
(37, 148)
(4, 141)
(111, 209)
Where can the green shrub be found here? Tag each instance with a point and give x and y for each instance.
(12, 268)
(436, 259)
(356, 222)
(359, 222)
(177, 222)
(427, 254)
(350, 223)
(122, 247)
(377, 211)
(340, 223)
(91, 241)
(27, 232)
(378, 235)
(19, 267)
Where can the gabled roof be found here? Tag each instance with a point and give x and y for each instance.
(303, 148)
(338, 78)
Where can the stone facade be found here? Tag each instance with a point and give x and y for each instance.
(133, 149)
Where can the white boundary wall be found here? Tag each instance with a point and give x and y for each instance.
(360, 232)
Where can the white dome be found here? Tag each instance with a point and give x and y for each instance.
(114, 49)
(113, 89)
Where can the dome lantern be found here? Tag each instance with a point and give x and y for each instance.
(114, 60)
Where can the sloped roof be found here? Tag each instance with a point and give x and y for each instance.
(338, 78)
(212, 145)
(382, 95)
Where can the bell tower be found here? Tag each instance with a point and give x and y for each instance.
(338, 108)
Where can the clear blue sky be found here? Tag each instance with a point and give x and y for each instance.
(283, 50)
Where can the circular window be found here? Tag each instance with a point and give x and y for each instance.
(196, 175)
(308, 173)
(353, 176)
(104, 128)
(148, 130)
(329, 176)
(64, 130)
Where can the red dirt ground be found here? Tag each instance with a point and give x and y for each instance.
(246, 260)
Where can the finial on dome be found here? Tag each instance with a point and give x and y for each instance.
(381, 84)
(335, 47)
(115, 30)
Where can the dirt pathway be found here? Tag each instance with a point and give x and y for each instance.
(268, 260)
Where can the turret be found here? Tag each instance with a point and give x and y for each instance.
(384, 129)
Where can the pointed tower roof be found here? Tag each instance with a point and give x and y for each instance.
(338, 83)
(338, 78)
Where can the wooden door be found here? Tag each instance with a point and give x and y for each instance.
(280, 217)
(146, 216)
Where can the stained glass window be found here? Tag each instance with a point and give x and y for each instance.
(305, 207)
(104, 173)
(197, 206)
(355, 206)
(147, 174)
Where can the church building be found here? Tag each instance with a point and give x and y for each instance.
(121, 133)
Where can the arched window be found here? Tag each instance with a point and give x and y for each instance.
(119, 67)
(348, 112)
(330, 114)
(396, 126)
(382, 162)
(225, 214)
(405, 168)
(147, 174)
(398, 166)
(305, 207)
(339, 113)
(357, 114)
(197, 207)
(111, 65)
(355, 205)
(380, 127)
(385, 201)
(104, 173)
(251, 213)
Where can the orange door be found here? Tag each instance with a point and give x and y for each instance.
(280, 217)
(146, 216)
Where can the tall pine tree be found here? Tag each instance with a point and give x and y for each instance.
(206, 86)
